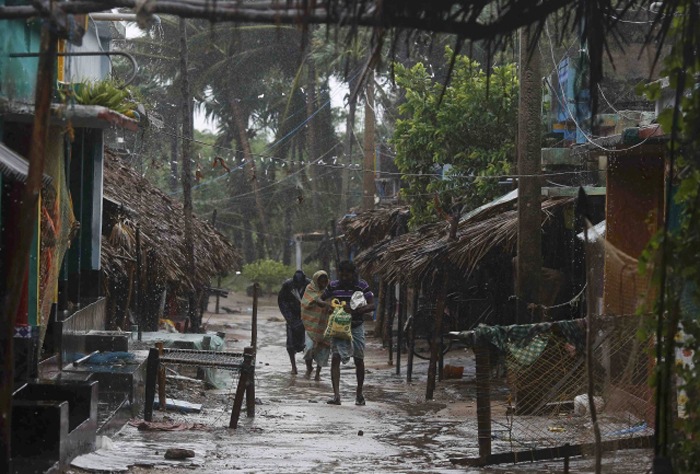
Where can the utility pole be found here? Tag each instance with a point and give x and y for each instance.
(347, 152)
(368, 186)
(187, 134)
(529, 260)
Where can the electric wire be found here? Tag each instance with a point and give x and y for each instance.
(564, 103)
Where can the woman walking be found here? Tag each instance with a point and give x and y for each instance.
(314, 315)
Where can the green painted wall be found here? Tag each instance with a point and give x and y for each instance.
(18, 75)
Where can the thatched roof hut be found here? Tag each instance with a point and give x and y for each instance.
(368, 228)
(420, 255)
(136, 202)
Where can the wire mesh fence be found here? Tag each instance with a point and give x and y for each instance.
(542, 402)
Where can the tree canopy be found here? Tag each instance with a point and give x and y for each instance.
(453, 143)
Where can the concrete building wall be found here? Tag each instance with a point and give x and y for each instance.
(90, 68)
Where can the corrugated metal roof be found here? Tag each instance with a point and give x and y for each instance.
(14, 166)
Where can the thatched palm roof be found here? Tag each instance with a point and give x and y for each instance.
(368, 228)
(160, 219)
(420, 255)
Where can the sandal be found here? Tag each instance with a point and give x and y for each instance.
(360, 401)
(334, 401)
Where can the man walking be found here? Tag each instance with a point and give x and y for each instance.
(289, 302)
(342, 289)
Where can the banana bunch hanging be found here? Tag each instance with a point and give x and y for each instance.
(106, 94)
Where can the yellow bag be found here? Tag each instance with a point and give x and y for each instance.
(339, 322)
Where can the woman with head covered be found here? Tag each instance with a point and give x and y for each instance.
(314, 315)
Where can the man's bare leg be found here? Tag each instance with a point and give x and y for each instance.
(292, 359)
(335, 379)
(360, 374)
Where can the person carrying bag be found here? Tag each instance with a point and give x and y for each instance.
(339, 322)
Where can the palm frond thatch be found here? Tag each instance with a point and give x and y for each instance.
(371, 227)
(160, 219)
(422, 254)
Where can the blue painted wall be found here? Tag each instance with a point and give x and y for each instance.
(18, 75)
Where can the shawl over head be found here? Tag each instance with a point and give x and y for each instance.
(314, 317)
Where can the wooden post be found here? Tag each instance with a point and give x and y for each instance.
(218, 287)
(412, 337)
(389, 326)
(246, 374)
(590, 335)
(381, 302)
(161, 379)
(435, 343)
(152, 365)
(399, 309)
(529, 258)
(250, 383)
(187, 133)
(254, 319)
(483, 397)
(400, 336)
(137, 289)
(20, 255)
(441, 356)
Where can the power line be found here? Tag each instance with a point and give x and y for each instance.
(270, 147)
(276, 183)
(252, 231)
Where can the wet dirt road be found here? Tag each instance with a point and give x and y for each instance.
(295, 431)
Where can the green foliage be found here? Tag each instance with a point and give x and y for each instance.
(471, 128)
(682, 253)
(268, 273)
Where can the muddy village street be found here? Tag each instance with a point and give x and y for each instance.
(295, 431)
